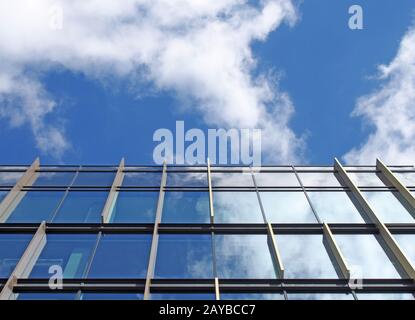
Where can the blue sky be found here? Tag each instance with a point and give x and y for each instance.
(324, 67)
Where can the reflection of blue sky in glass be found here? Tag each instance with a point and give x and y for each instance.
(9, 178)
(82, 206)
(251, 296)
(142, 179)
(243, 256)
(187, 179)
(237, 207)
(186, 207)
(305, 256)
(12, 247)
(388, 208)
(69, 251)
(54, 178)
(47, 296)
(135, 207)
(2, 195)
(335, 207)
(182, 296)
(320, 296)
(184, 256)
(36, 206)
(365, 256)
(385, 296)
(103, 179)
(121, 256)
(111, 296)
(287, 207)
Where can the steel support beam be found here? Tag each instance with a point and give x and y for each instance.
(209, 176)
(383, 230)
(26, 263)
(155, 239)
(275, 251)
(336, 251)
(113, 194)
(14, 196)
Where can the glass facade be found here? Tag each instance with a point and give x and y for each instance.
(148, 232)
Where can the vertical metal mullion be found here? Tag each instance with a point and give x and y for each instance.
(113, 193)
(154, 242)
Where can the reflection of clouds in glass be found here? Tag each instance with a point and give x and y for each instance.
(286, 207)
(387, 207)
(407, 243)
(9, 178)
(143, 179)
(231, 179)
(237, 207)
(276, 179)
(187, 179)
(305, 256)
(54, 178)
(335, 207)
(251, 296)
(312, 179)
(243, 256)
(407, 178)
(186, 207)
(365, 252)
(366, 179)
(385, 296)
(320, 296)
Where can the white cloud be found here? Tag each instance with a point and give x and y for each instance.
(390, 111)
(199, 49)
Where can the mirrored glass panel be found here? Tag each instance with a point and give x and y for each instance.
(69, 253)
(407, 178)
(306, 256)
(182, 296)
(319, 179)
(365, 256)
(112, 296)
(135, 207)
(237, 207)
(187, 179)
(251, 296)
(385, 296)
(407, 244)
(186, 207)
(366, 179)
(121, 256)
(2, 195)
(184, 256)
(9, 178)
(51, 178)
(388, 208)
(81, 207)
(142, 179)
(244, 256)
(320, 296)
(46, 296)
(98, 179)
(232, 179)
(36, 206)
(276, 179)
(12, 247)
(336, 206)
(287, 207)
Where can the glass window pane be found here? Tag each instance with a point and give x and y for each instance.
(320, 296)
(287, 207)
(237, 207)
(251, 296)
(3, 195)
(232, 179)
(184, 256)
(187, 179)
(276, 179)
(54, 178)
(186, 207)
(385, 296)
(12, 246)
(366, 179)
(244, 256)
(46, 296)
(407, 243)
(135, 207)
(305, 256)
(9, 178)
(336, 206)
(388, 208)
(100, 179)
(112, 296)
(71, 252)
(36, 206)
(142, 179)
(121, 256)
(82, 206)
(182, 296)
(319, 179)
(407, 178)
(365, 256)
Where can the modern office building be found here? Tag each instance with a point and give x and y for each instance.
(207, 232)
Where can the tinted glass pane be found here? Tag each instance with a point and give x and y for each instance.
(388, 208)
(237, 207)
(12, 247)
(251, 296)
(366, 179)
(2, 195)
(139, 207)
(82, 206)
(101, 179)
(46, 296)
(407, 178)
(287, 207)
(121, 256)
(319, 179)
(320, 296)
(142, 179)
(243, 256)
(407, 244)
(184, 256)
(9, 178)
(36, 206)
(186, 207)
(187, 179)
(71, 252)
(336, 207)
(111, 296)
(182, 296)
(365, 256)
(232, 179)
(276, 179)
(305, 256)
(385, 296)
(54, 178)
